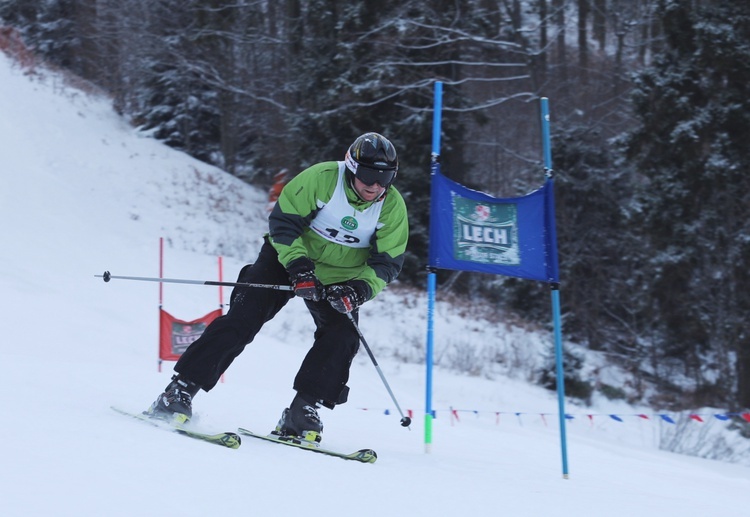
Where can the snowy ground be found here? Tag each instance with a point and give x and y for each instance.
(81, 192)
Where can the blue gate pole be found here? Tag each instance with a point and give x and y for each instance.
(431, 276)
(556, 320)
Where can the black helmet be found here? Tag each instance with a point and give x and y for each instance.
(372, 158)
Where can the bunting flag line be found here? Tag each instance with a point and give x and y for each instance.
(454, 415)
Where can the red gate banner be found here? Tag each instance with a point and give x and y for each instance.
(176, 335)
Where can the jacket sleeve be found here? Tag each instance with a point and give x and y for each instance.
(297, 206)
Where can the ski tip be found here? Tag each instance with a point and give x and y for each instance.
(232, 440)
(366, 455)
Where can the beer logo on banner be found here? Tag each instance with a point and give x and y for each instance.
(184, 335)
(485, 232)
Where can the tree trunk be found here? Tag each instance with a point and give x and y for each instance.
(743, 375)
(600, 22)
(562, 49)
(583, 47)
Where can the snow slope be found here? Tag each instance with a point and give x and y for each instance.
(81, 192)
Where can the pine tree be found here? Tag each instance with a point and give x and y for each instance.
(691, 148)
(177, 105)
(47, 27)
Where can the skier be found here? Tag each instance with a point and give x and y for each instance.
(337, 235)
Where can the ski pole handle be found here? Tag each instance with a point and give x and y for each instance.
(107, 276)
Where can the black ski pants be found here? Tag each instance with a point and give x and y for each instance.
(324, 370)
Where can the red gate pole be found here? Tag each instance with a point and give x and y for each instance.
(161, 295)
(221, 294)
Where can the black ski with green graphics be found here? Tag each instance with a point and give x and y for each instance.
(228, 439)
(362, 455)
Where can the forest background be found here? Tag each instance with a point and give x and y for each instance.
(650, 120)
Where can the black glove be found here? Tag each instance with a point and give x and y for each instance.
(306, 285)
(348, 296)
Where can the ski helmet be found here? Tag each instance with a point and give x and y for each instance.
(372, 158)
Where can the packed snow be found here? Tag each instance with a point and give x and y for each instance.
(84, 192)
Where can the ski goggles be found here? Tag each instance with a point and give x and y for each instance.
(370, 175)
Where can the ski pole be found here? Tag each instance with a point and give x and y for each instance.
(405, 420)
(107, 276)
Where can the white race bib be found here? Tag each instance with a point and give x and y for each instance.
(339, 222)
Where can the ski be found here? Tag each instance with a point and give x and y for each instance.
(228, 439)
(362, 455)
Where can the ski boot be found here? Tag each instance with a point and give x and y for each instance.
(300, 423)
(175, 404)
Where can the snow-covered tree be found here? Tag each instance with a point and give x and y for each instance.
(691, 149)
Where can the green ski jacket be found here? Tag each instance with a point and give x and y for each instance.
(291, 235)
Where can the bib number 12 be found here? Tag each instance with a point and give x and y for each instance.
(345, 238)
